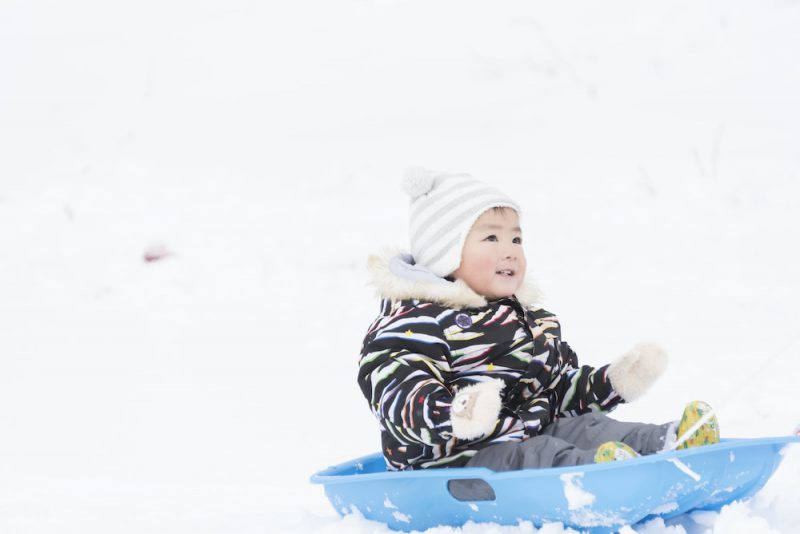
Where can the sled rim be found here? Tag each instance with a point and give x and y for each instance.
(331, 476)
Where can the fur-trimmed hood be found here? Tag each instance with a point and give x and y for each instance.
(395, 276)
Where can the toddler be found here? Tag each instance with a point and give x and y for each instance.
(463, 368)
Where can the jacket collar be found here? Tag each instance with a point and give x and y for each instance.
(396, 277)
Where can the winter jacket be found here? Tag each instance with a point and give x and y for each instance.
(434, 337)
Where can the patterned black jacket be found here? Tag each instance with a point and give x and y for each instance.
(433, 337)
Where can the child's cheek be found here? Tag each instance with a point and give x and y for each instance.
(486, 267)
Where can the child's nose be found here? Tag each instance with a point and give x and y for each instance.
(509, 252)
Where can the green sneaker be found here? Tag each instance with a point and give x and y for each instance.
(706, 434)
(612, 451)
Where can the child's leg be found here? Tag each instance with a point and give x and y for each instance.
(568, 441)
(590, 430)
(538, 451)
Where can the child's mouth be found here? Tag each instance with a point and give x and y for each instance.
(505, 272)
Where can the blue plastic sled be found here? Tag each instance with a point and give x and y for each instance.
(599, 498)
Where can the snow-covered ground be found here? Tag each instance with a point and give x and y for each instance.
(654, 147)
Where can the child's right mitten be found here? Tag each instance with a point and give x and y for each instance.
(474, 410)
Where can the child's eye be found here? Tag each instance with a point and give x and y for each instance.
(517, 240)
(491, 238)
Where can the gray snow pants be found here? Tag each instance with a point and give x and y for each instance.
(567, 441)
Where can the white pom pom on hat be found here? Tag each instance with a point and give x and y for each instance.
(443, 209)
(417, 182)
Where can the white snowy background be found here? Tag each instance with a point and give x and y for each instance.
(653, 146)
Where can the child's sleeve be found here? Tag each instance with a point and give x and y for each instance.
(582, 388)
(572, 388)
(403, 372)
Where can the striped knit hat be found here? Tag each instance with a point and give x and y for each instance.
(443, 209)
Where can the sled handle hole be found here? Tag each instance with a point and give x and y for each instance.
(470, 489)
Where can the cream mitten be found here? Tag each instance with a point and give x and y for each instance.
(635, 371)
(474, 410)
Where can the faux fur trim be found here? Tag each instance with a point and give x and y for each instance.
(457, 295)
(633, 373)
(480, 405)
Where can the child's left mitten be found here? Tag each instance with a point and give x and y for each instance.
(633, 373)
(475, 409)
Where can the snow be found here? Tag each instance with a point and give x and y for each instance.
(576, 496)
(257, 149)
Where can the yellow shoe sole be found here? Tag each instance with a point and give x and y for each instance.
(612, 451)
(707, 434)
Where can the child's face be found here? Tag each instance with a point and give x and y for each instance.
(493, 261)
